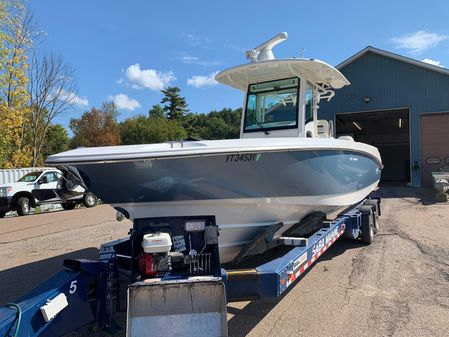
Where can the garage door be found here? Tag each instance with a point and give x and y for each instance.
(388, 130)
(434, 145)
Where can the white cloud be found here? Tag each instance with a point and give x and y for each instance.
(122, 101)
(418, 42)
(73, 98)
(189, 59)
(433, 62)
(197, 41)
(199, 81)
(148, 78)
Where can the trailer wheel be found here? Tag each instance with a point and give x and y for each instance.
(376, 210)
(367, 227)
(23, 206)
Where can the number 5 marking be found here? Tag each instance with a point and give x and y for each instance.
(73, 287)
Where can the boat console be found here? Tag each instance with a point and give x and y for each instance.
(283, 95)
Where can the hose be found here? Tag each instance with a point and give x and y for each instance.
(19, 317)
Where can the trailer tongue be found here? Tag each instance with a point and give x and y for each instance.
(168, 277)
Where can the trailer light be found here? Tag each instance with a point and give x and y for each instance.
(195, 226)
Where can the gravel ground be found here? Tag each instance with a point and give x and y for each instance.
(398, 286)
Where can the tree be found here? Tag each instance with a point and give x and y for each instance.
(56, 140)
(16, 33)
(157, 112)
(52, 92)
(223, 124)
(176, 105)
(143, 130)
(95, 128)
(110, 109)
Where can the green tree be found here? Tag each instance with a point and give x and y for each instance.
(157, 111)
(143, 130)
(223, 124)
(175, 105)
(56, 140)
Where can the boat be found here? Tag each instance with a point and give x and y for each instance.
(285, 166)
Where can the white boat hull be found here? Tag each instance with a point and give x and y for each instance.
(247, 184)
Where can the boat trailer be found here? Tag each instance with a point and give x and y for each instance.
(166, 292)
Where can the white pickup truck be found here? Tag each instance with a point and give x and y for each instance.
(42, 187)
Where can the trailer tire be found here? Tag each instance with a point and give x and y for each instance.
(23, 206)
(376, 212)
(367, 228)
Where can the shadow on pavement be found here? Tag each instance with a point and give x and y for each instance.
(424, 195)
(245, 319)
(17, 281)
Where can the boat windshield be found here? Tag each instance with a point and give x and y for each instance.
(272, 105)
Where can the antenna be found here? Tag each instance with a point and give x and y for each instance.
(264, 51)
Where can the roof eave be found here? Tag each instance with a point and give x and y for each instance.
(392, 56)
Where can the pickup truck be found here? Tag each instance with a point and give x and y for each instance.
(42, 187)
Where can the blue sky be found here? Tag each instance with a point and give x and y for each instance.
(128, 50)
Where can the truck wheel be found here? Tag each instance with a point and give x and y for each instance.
(367, 227)
(89, 200)
(68, 205)
(23, 206)
(2, 214)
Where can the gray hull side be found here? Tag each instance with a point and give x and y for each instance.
(232, 176)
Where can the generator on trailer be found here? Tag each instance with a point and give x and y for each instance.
(167, 276)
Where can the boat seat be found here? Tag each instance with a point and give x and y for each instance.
(348, 138)
(324, 129)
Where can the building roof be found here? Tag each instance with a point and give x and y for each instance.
(394, 56)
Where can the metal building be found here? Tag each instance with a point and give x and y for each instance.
(398, 104)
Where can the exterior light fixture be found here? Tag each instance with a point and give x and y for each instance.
(357, 126)
(400, 123)
(367, 99)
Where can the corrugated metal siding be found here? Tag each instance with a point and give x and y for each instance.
(12, 175)
(391, 84)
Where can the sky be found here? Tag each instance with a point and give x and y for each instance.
(127, 51)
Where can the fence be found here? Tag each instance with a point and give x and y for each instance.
(12, 175)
